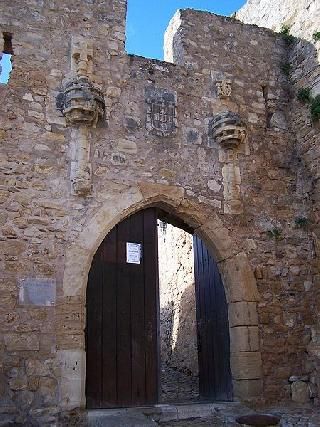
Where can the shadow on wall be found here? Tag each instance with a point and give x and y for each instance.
(179, 352)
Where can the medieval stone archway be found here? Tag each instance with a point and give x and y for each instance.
(240, 286)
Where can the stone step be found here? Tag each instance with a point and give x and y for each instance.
(110, 418)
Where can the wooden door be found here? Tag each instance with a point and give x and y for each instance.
(212, 327)
(122, 316)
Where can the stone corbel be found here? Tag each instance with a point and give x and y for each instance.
(229, 132)
(83, 105)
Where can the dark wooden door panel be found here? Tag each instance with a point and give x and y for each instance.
(109, 322)
(137, 320)
(122, 318)
(152, 343)
(123, 309)
(215, 381)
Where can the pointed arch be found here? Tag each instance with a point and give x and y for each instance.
(238, 278)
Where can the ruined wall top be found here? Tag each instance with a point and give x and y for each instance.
(90, 18)
(184, 44)
(302, 16)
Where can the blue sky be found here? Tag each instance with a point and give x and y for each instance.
(6, 68)
(147, 21)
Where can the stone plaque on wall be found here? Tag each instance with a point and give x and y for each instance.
(39, 292)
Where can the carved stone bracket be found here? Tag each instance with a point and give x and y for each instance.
(227, 129)
(229, 132)
(83, 105)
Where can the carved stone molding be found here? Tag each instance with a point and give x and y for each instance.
(81, 57)
(83, 105)
(161, 111)
(232, 188)
(80, 172)
(229, 132)
(227, 129)
(224, 88)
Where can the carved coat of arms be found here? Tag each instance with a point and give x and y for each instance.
(161, 111)
(224, 88)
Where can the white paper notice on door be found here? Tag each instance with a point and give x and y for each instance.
(133, 253)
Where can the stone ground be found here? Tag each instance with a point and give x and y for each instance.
(179, 415)
(193, 422)
(187, 415)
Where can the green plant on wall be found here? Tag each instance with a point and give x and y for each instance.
(275, 233)
(286, 68)
(315, 108)
(304, 94)
(316, 36)
(285, 33)
(301, 222)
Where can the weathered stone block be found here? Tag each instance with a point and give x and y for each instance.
(238, 270)
(21, 342)
(70, 341)
(33, 383)
(18, 383)
(72, 364)
(248, 389)
(23, 400)
(12, 247)
(38, 367)
(244, 338)
(246, 365)
(243, 314)
(151, 191)
(47, 391)
(300, 392)
(221, 243)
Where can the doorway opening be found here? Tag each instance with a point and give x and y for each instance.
(179, 370)
(157, 323)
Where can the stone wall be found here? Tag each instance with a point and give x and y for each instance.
(302, 17)
(178, 333)
(90, 135)
(303, 21)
